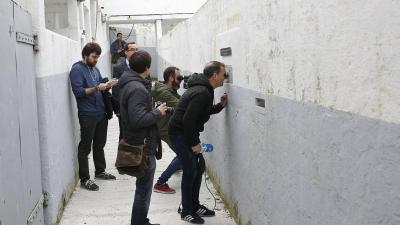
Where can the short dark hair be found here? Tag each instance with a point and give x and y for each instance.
(139, 61)
(90, 48)
(126, 46)
(119, 33)
(212, 67)
(170, 72)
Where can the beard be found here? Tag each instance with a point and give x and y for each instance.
(90, 64)
(176, 85)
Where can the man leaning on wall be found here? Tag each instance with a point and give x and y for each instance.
(85, 81)
(192, 112)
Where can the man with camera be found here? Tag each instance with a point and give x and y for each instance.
(117, 49)
(192, 112)
(139, 121)
(167, 92)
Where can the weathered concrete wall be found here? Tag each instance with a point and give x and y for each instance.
(337, 54)
(324, 150)
(300, 163)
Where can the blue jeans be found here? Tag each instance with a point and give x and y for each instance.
(144, 188)
(171, 169)
(193, 167)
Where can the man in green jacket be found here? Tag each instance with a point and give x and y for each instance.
(167, 92)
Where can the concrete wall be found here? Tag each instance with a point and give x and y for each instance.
(324, 150)
(57, 112)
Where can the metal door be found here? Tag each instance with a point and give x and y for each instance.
(21, 199)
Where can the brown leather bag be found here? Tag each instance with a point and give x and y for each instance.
(131, 159)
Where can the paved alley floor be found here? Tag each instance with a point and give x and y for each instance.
(112, 204)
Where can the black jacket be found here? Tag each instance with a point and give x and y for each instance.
(194, 110)
(118, 70)
(110, 103)
(139, 119)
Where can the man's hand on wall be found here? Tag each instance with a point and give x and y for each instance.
(224, 99)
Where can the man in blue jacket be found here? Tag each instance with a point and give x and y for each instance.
(85, 82)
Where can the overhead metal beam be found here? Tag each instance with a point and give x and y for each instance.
(146, 18)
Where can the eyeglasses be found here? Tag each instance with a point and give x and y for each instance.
(132, 49)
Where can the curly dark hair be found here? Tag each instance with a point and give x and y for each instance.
(91, 47)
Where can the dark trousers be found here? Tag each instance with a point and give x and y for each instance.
(120, 127)
(144, 189)
(193, 167)
(93, 134)
(174, 165)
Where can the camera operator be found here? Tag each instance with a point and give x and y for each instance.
(167, 92)
(192, 112)
(139, 121)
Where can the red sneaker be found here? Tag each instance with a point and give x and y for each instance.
(163, 189)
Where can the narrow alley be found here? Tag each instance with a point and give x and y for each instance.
(112, 204)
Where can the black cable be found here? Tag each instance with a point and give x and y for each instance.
(129, 35)
(126, 37)
(209, 190)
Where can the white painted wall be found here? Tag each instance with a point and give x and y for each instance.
(324, 150)
(342, 55)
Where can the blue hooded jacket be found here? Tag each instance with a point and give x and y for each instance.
(81, 77)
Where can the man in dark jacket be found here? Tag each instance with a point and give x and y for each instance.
(85, 82)
(118, 70)
(117, 48)
(192, 112)
(167, 92)
(139, 121)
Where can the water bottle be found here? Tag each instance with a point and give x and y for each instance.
(206, 147)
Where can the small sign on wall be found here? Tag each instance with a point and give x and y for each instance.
(226, 51)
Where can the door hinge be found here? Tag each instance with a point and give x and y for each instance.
(45, 199)
(36, 43)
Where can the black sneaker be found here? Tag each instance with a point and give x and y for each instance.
(89, 185)
(192, 218)
(204, 212)
(147, 222)
(105, 176)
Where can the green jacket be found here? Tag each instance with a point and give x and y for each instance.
(162, 93)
